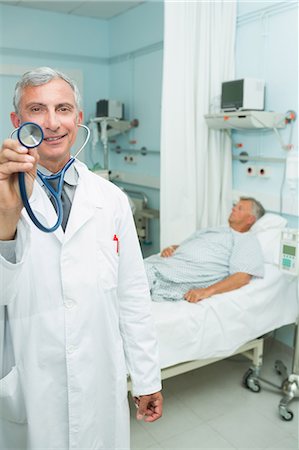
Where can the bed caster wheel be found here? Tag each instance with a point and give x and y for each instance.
(246, 375)
(250, 382)
(254, 385)
(285, 414)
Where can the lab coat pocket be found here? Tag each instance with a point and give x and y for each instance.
(12, 406)
(108, 256)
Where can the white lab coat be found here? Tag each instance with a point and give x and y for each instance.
(79, 316)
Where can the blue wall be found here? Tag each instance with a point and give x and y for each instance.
(32, 38)
(136, 79)
(267, 48)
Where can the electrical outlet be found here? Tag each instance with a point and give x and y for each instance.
(251, 171)
(263, 172)
(130, 159)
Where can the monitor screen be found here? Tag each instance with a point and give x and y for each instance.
(289, 250)
(232, 94)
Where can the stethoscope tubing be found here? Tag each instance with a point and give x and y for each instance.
(55, 194)
(46, 179)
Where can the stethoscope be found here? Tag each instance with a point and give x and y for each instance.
(30, 135)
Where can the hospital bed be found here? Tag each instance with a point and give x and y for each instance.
(224, 324)
(192, 335)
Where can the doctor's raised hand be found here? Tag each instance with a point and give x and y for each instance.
(14, 158)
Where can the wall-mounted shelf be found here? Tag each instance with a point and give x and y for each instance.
(112, 126)
(245, 120)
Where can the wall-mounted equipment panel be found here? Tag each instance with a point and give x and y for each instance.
(245, 119)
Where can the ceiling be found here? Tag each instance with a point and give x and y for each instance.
(98, 9)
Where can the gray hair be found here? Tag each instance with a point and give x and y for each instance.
(38, 77)
(257, 208)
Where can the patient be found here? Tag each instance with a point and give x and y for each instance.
(210, 261)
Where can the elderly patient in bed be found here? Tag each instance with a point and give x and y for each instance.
(210, 261)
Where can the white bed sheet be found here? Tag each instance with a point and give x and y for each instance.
(219, 325)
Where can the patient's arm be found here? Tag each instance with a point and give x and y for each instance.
(230, 283)
(168, 251)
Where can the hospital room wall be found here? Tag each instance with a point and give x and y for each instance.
(267, 48)
(136, 59)
(30, 38)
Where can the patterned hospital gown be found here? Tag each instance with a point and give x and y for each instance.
(205, 258)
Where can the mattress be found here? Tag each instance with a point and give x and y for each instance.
(219, 325)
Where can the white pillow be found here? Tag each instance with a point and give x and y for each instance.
(268, 232)
(269, 221)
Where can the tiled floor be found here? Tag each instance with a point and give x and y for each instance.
(209, 408)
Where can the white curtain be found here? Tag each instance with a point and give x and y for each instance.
(196, 172)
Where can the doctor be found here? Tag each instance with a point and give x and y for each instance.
(75, 312)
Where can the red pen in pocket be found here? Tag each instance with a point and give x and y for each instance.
(115, 238)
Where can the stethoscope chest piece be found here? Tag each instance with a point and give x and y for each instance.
(30, 134)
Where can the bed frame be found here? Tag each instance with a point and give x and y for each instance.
(253, 350)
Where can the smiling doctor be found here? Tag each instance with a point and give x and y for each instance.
(75, 304)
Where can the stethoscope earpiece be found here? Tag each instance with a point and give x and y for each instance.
(86, 139)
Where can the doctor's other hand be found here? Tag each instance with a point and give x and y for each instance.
(168, 251)
(195, 295)
(149, 407)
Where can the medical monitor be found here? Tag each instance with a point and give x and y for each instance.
(243, 94)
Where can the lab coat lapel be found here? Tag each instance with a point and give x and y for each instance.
(87, 199)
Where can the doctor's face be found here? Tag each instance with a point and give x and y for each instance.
(53, 107)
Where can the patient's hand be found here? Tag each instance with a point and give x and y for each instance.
(195, 295)
(234, 281)
(168, 251)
